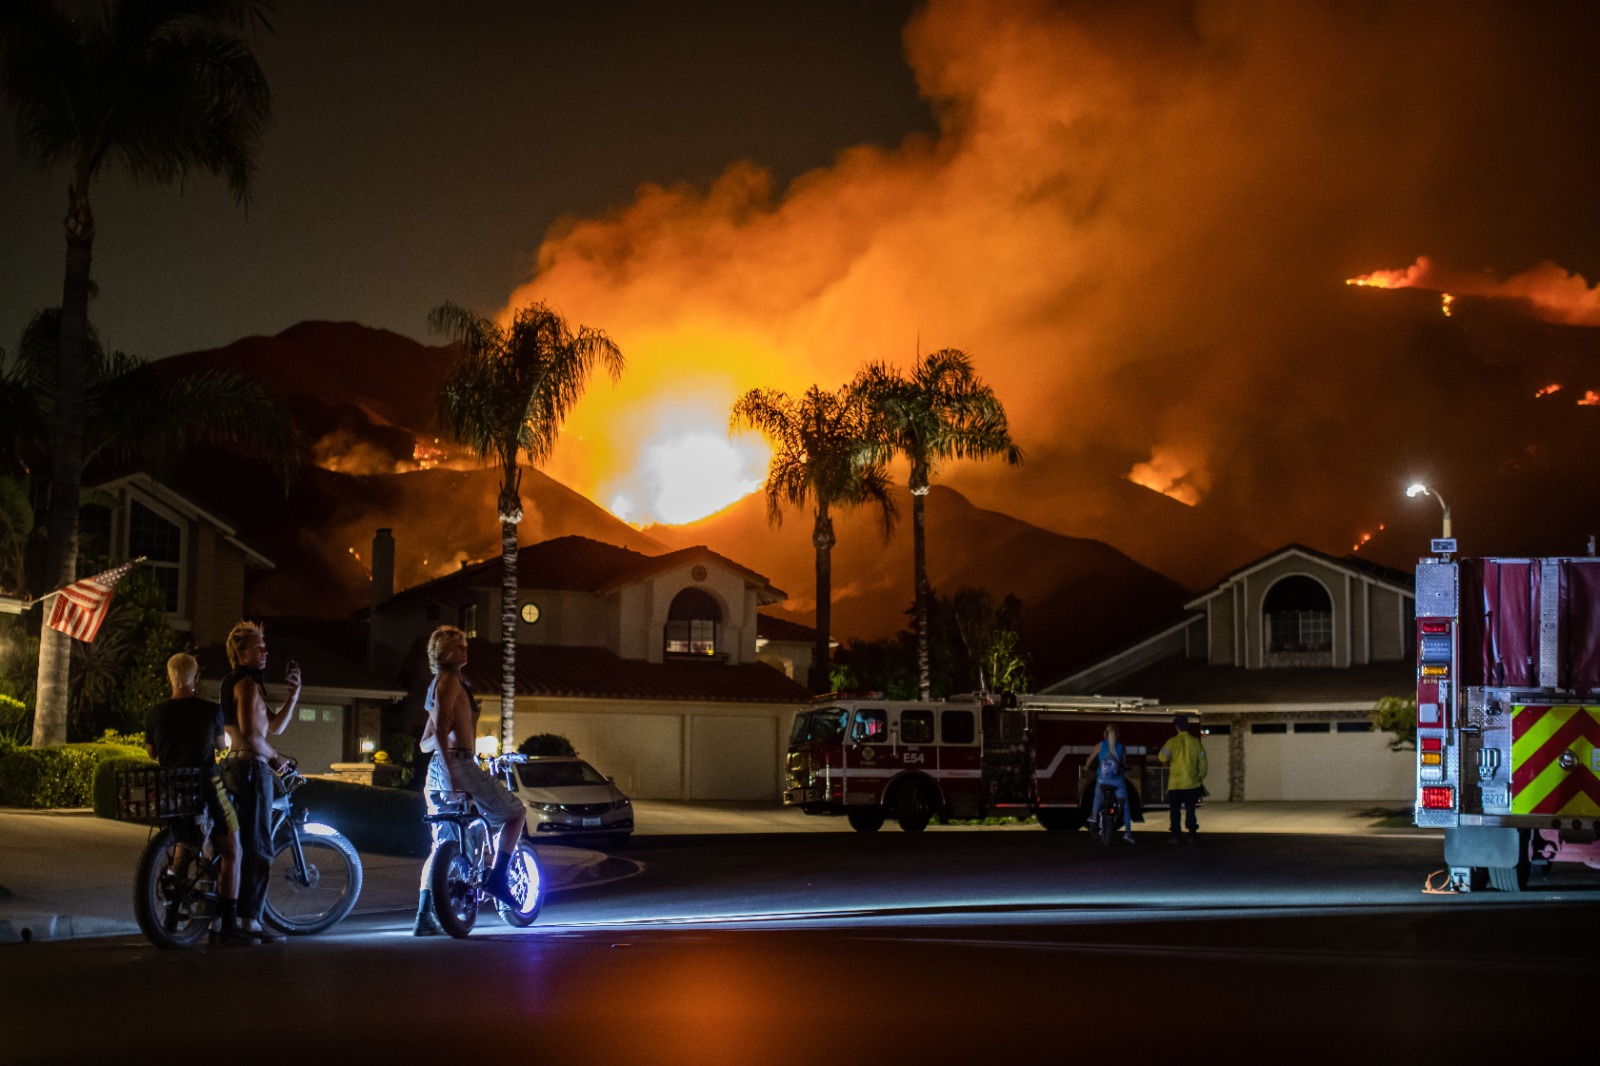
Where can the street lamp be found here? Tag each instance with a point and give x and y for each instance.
(1419, 489)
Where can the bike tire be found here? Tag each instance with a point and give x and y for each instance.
(1108, 818)
(455, 897)
(316, 899)
(171, 915)
(526, 880)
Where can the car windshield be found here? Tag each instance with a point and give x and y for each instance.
(557, 774)
(818, 726)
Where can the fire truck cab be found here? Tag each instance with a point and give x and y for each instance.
(871, 759)
(1508, 713)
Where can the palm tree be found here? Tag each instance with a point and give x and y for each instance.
(940, 411)
(165, 88)
(134, 414)
(507, 395)
(821, 454)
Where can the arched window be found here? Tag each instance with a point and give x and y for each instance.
(1299, 616)
(692, 623)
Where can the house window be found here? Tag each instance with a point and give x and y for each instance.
(692, 623)
(1299, 616)
(1269, 727)
(161, 542)
(1354, 727)
(467, 619)
(1312, 727)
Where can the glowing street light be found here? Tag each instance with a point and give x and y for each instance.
(1419, 489)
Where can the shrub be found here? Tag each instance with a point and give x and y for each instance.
(543, 744)
(402, 751)
(104, 786)
(387, 821)
(57, 776)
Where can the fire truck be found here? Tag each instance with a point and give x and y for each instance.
(1508, 713)
(870, 759)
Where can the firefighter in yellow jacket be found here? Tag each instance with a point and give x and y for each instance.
(1185, 758)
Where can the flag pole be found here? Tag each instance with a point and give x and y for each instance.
(63, 588)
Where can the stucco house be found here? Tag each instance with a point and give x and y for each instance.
(651, 665)
(201, 562)
(1284, 658)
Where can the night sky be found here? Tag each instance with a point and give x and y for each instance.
(1137, 218)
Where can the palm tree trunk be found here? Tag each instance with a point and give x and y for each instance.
(919, 562)
(508, 632)
(822, 539)
(66, 470)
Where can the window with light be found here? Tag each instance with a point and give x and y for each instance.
(692, 623)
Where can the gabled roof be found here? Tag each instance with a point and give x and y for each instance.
(599, 674)
(579, 564)
(1182, 682)
(771, 627)
(326, 673)
(1396, 580)
(142, 482)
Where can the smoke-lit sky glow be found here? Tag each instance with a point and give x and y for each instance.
(1136, 217)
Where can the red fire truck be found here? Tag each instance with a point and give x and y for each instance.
(869, 758)
(1508, 713)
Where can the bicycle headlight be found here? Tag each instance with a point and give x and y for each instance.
(317, 829)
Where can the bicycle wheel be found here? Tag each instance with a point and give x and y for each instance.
(1109, 813)
(171, 909)
(455, 897)
(309, 900)
(527, 886)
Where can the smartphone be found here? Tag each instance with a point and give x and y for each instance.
(290, 667)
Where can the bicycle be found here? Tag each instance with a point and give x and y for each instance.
(463, 856)
(313, 883)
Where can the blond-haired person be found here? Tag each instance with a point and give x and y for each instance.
(253, 763)
(185, 733)
(450, 733)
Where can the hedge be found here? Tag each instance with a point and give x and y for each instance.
(105, 781)
(57, 776)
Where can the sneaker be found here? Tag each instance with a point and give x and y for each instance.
(427, 924)
(234, 938)
(1194, 838)
(500, 889)
(262, 934)
(1173, 839)
(1128, 837)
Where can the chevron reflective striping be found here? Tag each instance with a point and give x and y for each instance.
(1539, 783)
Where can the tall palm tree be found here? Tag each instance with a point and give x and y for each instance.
(507, 395)
(164, 88)
(941, 410)
(821, 454)
(134, 415)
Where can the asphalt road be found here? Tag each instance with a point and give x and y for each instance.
(821, 948)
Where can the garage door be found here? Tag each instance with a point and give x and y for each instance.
(733, 758)
(642, 752)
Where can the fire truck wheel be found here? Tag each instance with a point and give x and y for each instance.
(913, 806)
(1513, 878)
(866, 820)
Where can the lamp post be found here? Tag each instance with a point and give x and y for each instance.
(1419, 489)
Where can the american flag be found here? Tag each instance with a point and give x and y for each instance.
(81, 606)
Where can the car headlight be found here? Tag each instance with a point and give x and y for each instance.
(547, 808)
(621, 803)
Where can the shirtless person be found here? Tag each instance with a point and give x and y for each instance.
(251, 768)
(450, 733)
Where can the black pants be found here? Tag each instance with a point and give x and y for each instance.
(252, 783)
(1183, 800)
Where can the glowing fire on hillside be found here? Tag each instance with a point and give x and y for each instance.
(1171, 474)
(1551, 293)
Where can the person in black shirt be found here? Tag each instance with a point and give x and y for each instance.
(185, 733)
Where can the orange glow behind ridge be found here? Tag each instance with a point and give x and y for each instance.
(1553, 294)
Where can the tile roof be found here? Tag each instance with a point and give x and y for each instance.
(597, 673)
(1187, 682)
(580, 564)
(771, 627)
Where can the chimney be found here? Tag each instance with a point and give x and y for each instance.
(382, 566)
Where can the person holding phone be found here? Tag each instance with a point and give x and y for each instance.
(253, 763)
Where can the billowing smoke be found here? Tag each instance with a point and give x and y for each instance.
(1136, 218)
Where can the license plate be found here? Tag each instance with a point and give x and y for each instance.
(588, 822)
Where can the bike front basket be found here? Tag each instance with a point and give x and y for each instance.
(151, 795)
